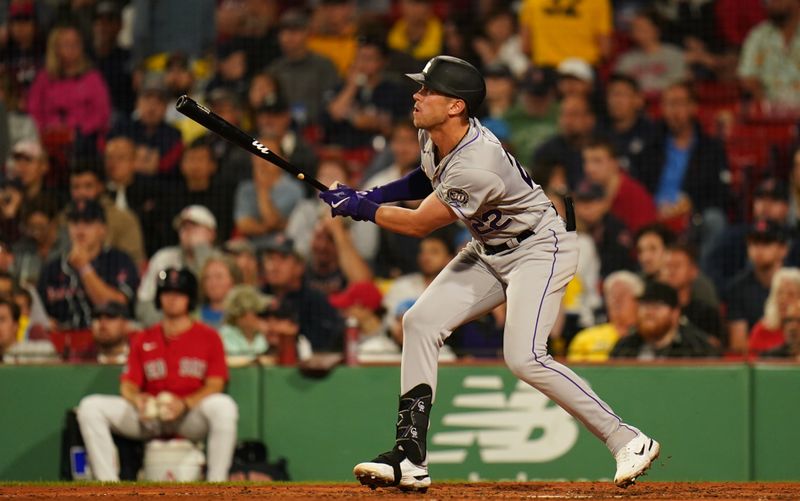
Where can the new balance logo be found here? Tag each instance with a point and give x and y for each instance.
(519, 428)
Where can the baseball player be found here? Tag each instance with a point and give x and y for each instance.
(183, 363)
(521, 253)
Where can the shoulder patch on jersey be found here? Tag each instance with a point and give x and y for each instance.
(456, 196)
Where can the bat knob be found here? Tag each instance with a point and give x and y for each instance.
(301, 176)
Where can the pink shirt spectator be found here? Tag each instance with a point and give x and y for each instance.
(81, 103)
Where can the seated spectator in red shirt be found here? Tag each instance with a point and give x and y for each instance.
(158, 144)
(628, 199)
(90, 274)
(784, 292)
(180, 361)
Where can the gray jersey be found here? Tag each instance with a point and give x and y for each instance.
(485, 185)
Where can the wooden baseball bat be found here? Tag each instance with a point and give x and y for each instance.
(237, 136)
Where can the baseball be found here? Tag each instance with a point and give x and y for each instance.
(164, 400)
(151, 408)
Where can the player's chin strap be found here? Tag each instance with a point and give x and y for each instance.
(569, 209)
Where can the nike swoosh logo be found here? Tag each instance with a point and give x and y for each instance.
(641, 452)
(340, 202)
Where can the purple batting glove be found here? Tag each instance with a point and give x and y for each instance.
(345, 201)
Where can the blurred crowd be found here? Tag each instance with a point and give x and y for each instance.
(671, 123)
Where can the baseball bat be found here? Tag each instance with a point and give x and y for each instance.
(237, 136)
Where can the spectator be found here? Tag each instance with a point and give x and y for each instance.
(334, 262)
(435, 251)
(784, 294)
(231, 69)
(90, 274)
(418, 32)
(29, 165)
(242, 332)
(199, 184)
(333, 33)
(167, 27)
(123, 230)
(233, 162)
(534, 118)
(6, 285)
(281, 324)
(361, 304)
(158, 144)
(576, 122)
(179, 79)
(12, 194)
(501, 95)
(458, 35)
(735, 19)
(691, 179)
(113, 62)
(9, 325)
(304, 76)
(500, 44)
(132, 191)
(653, 64)
(543, 25)
(243, 253)
(258, 33)
(273, 121)
(263, 205)
(110, 330)
(791, 336)
(197, 229)
(728, 256)
(284, 276)
(264, 89)
(366, 104)
(651, 244)
(575, 79)
(6, 256)
(679, 271)
(612, 240)
(68, 96)
(621, 290)
(16, 124)
(23, 53)
(628, 200)
(40, 241)
(659, 332)
(309, 212)
(218, 276)
(747, 291)
(767, 67)
(32, 324)
(633, 135)
(186, 360)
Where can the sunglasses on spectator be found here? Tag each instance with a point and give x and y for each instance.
(22, 157)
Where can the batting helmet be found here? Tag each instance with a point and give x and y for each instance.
(177, 280)
(453, 77)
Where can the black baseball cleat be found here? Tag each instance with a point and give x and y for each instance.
(393, 469)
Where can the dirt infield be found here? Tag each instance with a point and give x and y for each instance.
(717, 491)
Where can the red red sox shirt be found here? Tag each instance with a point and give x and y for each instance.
(179, 365)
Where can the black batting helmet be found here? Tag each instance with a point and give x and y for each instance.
(453, 77)
(177, 280)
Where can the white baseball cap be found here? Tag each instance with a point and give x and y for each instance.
(29, 148)
(576, 67)
(196, 214)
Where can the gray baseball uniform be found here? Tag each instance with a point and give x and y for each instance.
(493, 195)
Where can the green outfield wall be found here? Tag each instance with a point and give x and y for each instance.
(715, 422)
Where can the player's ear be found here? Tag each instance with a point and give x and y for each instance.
(457, 106)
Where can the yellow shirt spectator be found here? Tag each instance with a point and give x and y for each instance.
(593, 344)
(429, 45)
(340, 49)
(558, 29)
